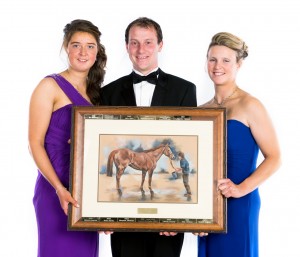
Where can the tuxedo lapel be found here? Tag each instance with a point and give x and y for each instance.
(160, 89)
(128, 92)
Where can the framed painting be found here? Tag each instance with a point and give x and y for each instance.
(148, 169)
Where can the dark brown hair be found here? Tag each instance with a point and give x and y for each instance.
(97, 71)
(181, 154)
(144, 22)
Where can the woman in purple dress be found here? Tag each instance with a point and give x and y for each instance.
(49, 139)
(249, 129)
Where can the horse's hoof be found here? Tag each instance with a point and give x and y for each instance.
(120, 192)
(152, 194)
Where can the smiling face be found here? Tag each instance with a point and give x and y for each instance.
(222, 65)
(143, 49)
(82, 51)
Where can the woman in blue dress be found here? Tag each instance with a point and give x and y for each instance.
(249, 130)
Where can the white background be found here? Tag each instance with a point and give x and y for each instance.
(31, 37)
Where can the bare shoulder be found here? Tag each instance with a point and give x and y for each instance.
(47, 86)
(48, 83)
(47, 92)
(249, 102)
(253, 108)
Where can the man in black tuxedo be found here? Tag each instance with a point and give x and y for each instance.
(147, 85)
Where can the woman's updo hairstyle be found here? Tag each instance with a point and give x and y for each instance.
(231, 41)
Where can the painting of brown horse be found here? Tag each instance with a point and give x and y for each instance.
(144, 161)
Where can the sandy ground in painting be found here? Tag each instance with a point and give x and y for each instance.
(166, 188)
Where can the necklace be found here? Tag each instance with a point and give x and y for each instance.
(226, 98)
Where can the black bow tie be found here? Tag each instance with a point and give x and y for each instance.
(151, 78)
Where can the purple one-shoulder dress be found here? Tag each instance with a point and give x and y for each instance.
(54, 240)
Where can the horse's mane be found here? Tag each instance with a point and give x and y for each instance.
(153, 149)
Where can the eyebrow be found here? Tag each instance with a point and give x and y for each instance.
(147, 39)
(75, 42)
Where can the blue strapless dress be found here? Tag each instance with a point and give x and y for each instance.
(241, 239)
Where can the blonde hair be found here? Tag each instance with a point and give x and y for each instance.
(231, 41)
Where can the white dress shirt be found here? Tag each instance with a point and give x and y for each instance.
(143, 91)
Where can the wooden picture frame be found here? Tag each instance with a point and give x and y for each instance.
(131, 138)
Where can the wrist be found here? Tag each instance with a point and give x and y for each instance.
(59, 189)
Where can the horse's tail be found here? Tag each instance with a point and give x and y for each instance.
(109, 167)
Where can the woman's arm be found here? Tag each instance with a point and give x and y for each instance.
(264, 134)
(41, 107)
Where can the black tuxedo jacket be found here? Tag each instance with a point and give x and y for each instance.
(169, 91)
